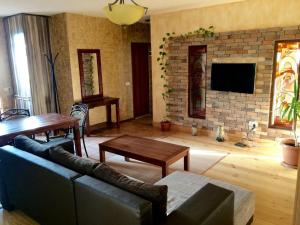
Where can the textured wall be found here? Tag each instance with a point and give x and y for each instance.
(231, 110)
(84, 32)
(251, 14)
(5, 78)
(60, 45)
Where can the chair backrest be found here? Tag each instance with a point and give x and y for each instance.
(80, 111)
(14, 114)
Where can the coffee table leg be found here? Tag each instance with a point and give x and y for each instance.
(102, 155)
(187, 162)
(165, 170)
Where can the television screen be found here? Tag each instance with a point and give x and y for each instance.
(234, 77)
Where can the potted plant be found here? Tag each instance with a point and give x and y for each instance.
(290, 146)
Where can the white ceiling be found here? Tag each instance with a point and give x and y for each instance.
(94, 7)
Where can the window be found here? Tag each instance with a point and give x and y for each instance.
(286, 71)
(20, 66)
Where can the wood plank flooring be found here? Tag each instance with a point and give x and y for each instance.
(257, 169)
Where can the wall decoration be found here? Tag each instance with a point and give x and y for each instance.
(163, 59)
(286, 71)
(90, 74)
(197, 81)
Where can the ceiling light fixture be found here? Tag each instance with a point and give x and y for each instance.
(124, 14)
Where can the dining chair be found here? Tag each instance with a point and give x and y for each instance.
(14, 114)
(80, 111)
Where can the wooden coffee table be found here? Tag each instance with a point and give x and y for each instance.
(146, 150)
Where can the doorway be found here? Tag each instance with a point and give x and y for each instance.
(141, 79)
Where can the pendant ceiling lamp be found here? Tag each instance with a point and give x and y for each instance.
(124, 14)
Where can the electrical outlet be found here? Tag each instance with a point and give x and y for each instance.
(253, 125)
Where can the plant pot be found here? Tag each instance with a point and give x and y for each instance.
(165, 125)
(290, 153)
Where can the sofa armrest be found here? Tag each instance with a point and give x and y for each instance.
(98, 202)
(211, 205)
(40, 188)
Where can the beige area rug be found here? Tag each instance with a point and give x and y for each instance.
(202, 159)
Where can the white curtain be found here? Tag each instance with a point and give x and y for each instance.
(28, 43)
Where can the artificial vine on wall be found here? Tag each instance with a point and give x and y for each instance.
(162, 59)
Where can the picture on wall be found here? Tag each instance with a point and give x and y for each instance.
(197, 81)
(286, 71)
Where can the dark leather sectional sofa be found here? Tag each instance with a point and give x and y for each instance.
(55, 195)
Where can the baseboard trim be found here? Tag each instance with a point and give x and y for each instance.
(202, 131)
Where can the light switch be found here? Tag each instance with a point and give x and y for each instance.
(127, 83)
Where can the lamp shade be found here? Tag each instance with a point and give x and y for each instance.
(124, 14)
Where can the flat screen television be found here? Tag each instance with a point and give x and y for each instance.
(233, 77)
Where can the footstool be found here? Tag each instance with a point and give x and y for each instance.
(182, 185)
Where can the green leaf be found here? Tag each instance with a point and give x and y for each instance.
(284, 112)
(290, 114)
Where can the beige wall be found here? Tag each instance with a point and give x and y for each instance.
(60, 44)
(5, 78)
(84, 32)
(251, 14)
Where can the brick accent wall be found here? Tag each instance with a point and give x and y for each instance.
(232, 110)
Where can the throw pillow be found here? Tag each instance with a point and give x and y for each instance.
(157, 194)
(27, 144)
(73, 162)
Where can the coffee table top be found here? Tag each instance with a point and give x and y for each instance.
(137, 147)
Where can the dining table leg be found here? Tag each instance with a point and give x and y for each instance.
(77, 139)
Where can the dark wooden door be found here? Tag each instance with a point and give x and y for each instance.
(140, 78)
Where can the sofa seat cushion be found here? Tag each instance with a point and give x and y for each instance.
(183, 185)
(73, 162)
(29, 145)
(156, 194)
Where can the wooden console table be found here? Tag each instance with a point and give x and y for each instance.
(108, 102)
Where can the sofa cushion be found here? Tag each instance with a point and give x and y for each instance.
(156, 194)
(27, 144)
(73, 162)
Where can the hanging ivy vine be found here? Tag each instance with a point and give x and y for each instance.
(163, 59)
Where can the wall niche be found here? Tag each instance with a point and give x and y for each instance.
(197, 81)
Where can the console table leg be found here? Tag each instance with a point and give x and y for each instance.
(108, 115)
(118, 114)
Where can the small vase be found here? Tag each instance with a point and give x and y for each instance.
(194, 131)
(220, 134)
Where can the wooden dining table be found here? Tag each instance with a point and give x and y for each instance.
(39, 124)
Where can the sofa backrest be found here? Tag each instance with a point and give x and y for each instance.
(101, 203)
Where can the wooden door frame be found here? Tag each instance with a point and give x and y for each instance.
(133, 103)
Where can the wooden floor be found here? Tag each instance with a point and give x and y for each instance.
(257, 169)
